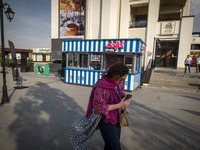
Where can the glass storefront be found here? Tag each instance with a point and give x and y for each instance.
(100, 61)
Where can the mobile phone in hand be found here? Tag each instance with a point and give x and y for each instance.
(128, 96)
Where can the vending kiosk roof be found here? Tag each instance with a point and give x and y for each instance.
(103, 45)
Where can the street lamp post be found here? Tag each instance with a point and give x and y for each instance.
(9, 14)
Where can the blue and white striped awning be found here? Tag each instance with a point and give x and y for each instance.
(100, 45)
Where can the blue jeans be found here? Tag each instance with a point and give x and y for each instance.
(187, 65)
(111, 135)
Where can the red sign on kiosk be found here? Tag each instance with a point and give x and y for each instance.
(114, 46)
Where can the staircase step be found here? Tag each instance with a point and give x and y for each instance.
(174, 78)
(175, 87)
(175, 82)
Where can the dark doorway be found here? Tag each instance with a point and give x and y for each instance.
(166, 55)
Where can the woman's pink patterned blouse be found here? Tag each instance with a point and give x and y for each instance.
(100, 102)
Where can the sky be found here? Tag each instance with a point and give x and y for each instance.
(31, 25)
(195, 11)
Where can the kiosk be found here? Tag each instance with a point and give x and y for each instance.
(87, 59)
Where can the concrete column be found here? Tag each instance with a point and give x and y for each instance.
(124, 19)
(92, 19)
(185, 40)
(54, 19)
(186, 8)
(105, 19)
(114, 18)
(110, 19)
(153, 14)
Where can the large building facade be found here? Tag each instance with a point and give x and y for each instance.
(164, 25)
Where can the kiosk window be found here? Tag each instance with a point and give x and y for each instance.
(83, 60)
(135, 62)
(95, 61)
(111, 59)
(126, 59)
(72, 60)
(129, 61)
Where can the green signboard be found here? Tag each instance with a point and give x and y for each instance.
(42, 69)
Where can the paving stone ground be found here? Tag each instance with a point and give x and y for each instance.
(39, 117)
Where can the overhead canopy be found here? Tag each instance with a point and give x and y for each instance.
(19, 50)
(180, 3)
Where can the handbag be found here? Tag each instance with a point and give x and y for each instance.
(124, 117)
(82, 130)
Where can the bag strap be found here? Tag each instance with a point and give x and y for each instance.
(109, 100)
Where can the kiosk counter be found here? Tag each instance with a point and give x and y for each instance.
(85, 60)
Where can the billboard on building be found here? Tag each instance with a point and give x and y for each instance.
(72, 19)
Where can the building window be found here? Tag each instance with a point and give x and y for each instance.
(170, 10)
(138, 16)
(140, 21)
(196, 34)
(166, 17)
(195, 47)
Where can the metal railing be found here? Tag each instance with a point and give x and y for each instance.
(137, 24)
(146, 75)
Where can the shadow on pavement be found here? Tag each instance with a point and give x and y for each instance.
(156, 130)
(43, 119)
(10, 96)
(191, 97)
(192, 112)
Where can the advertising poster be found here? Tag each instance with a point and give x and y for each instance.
(72, 18)
(42, 69)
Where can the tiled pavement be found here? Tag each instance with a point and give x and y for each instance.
(39, 117)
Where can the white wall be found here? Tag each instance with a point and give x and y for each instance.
(137, 33)
(177, 28)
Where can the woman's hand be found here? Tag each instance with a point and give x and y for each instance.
(124, 103)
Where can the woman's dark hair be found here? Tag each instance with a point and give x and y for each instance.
(118, 69)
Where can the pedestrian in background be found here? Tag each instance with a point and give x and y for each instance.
(187, 63)
(198, 64)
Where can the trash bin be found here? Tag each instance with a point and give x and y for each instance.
(42, 69)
